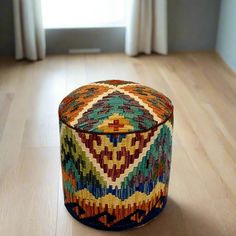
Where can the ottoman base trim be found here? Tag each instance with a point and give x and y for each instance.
(126, 223)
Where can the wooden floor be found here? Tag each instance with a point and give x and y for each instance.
(202, 193)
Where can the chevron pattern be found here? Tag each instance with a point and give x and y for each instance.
(116, 141)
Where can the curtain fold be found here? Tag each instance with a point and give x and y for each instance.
(146, 30)
(29, 33)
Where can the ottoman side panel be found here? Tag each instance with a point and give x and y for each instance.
(116, 181)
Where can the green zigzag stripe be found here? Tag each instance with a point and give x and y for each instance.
(85, 167)
(69, 187)
(116, 103)
(142, 166)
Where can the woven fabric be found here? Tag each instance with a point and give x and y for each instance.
(116, 139)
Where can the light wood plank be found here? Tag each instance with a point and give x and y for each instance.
(202, 192)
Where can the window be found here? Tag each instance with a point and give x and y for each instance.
(83, 13)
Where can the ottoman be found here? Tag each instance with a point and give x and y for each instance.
(116, 139)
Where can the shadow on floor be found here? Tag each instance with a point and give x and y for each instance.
(174, 220)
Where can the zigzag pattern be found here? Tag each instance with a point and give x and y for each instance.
(73, 104)
(116, 139)
(76, 109)
(151, 168)
(115, 160)
(113, 206)
(116, 103)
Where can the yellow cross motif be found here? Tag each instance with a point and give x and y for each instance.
(115, 123)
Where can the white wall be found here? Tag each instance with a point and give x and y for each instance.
(226, 37)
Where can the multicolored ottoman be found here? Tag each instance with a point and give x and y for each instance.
(116, 139)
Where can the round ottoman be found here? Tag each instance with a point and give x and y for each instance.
(116, 139)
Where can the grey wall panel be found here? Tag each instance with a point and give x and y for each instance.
(226, 40)
(6, 28)
(107, 39)
(192, 24)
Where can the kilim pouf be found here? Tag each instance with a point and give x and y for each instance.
(116, 139)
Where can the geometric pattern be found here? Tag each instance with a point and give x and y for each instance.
(116, 142)
(87, 107)
(114, 123)
(116, 103)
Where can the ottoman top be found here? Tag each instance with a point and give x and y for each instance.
(114, 106)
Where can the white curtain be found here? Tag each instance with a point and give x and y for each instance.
(29, 32)
(146, 30)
